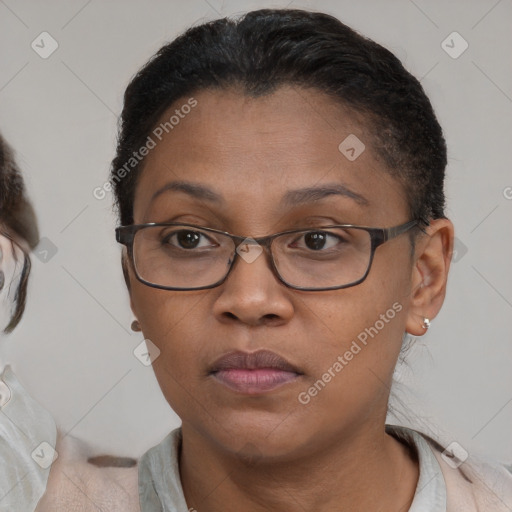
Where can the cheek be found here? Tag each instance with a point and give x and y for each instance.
(163, 313)
(175, 323)
(352, 341)
(374, 306)
(350, 379)
(375, 324)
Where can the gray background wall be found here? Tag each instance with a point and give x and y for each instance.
(73, 350)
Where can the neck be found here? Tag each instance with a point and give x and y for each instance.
(370, 471)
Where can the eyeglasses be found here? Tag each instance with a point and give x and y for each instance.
(181, 256)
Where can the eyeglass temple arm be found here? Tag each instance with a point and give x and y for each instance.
(124, 236)
(398, 230)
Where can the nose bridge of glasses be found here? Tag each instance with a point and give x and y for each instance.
(262, 241)
(249, 250)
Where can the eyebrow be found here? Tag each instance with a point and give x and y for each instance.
(290, 198)
(192, 189)
(310, 194)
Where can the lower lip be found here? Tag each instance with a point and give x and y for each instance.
(254, 381)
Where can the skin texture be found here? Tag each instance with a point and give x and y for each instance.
(270, 452)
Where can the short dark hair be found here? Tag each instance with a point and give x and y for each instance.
(264, 49)
(17, 219)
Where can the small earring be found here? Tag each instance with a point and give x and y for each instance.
(426, 323)
(136, 326)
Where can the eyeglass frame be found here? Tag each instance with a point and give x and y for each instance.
(125, 235)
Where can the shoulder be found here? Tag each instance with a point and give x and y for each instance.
(79, 483)
(24, 426)
(473, 481)
(73, 482)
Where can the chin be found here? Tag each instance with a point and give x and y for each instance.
(259, 435)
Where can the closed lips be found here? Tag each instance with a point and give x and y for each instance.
(254, 373)
(253, 361)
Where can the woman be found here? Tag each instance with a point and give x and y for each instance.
(27, 431)
(279, 180)
(41, 468)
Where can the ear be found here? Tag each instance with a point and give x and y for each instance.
(430, 274)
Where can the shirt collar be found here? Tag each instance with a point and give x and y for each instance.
(430, 492)
(160, 487)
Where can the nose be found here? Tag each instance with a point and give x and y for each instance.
(252, 293)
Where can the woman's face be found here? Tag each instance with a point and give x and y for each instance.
(252, 153)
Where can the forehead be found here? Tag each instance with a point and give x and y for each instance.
(255, 150)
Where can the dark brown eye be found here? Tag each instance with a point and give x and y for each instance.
(318, 241)
(188, 239)
(315, 240)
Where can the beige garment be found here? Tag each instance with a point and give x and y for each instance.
(473, 485)
(75, 485)
(28, 479)
(27, 438)
(476, 486)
